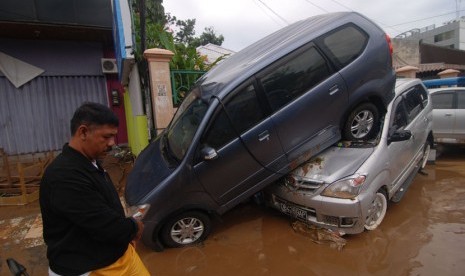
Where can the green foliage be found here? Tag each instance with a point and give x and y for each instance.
(167, 32)
(182, 43)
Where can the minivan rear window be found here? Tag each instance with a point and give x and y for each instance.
(346, 44)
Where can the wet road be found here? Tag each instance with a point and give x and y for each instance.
(424, 234)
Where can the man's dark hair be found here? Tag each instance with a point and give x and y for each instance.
(93, 114)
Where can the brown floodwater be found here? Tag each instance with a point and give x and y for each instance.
(424, 234)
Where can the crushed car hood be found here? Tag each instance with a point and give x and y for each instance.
(333, 164)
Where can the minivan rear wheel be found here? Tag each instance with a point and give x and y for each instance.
(362, 123)
(186, 229)
(376, 210)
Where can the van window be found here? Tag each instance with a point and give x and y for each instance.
(413, 103)
(243, 109)
(346, 44)
(294, 77)
(399, 121)
(443, 100)
(185, 123)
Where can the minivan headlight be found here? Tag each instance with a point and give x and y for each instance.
(138, 211)
(347, 188)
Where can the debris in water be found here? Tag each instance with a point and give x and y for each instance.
(320, 235)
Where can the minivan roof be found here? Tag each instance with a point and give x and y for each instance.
(251, 59)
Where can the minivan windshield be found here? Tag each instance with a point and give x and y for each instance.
(185, 123)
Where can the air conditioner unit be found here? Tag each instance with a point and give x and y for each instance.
(109, 66)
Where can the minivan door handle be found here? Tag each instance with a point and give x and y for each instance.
(264, 136)
(333, 90)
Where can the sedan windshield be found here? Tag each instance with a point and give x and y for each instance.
(185, 124)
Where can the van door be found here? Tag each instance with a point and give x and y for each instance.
(409, 115)
(308, 99)
(247, 146)
(444, 115)
(459, 128)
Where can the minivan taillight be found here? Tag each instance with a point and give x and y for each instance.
(388, 40)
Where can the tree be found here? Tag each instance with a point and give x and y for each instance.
(156, 29)
(208, 36)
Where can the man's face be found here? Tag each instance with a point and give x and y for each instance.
(99, 140)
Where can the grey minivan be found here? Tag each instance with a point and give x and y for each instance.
(347, 187)
(258, 115)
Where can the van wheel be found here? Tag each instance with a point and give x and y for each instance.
(376, 211)
(362, 123)
(186, 229)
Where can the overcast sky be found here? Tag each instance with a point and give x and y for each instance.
(243, 22)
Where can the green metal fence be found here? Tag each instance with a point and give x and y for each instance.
(182, 82)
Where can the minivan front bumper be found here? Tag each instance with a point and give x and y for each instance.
(342, 215)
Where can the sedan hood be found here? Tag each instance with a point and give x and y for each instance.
(150, 169)
(332, 164)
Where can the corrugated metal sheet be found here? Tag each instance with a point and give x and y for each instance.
(35, 118)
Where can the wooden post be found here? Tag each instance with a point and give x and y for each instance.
(6, 167)
(162, 95)
(22, 183)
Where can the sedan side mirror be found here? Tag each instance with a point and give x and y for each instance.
(208, 153)
(400, 135)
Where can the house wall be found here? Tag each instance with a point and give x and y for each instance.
(35, 117)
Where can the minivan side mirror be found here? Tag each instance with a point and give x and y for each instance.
(400, 135)
(208, 153)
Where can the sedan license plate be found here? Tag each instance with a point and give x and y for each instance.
(293, 211)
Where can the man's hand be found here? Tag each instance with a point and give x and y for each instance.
(140, 229)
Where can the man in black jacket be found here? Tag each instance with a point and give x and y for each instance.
(84, 224)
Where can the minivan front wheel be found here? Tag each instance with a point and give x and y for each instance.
(362, 123)
(376, 210)
(186, 229)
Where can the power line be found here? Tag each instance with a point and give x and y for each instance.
(260, 7)
(308, 1)
(342, 5)
(275, 13)
(423, 19)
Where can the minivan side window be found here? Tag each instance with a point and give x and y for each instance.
(423, 94)
(243, 109)
(294, 77)
(399, 121)
(413, 103)
(346, 44)
(443, 100)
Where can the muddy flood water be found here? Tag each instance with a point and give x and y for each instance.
(424, 234)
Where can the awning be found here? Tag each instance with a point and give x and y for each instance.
(16, 71)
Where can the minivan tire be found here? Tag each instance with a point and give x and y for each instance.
(186, 229)
(377, 210)
(362, 123)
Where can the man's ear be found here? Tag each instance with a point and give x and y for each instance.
(82, 132)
